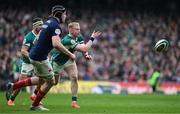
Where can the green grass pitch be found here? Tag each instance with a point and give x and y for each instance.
(97, 104)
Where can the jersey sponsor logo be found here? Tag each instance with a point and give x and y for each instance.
(57, 31)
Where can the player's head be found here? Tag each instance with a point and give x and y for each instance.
(37, 24)
(74, 29)
(59, 12)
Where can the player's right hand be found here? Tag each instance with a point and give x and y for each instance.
(95, 34)
(73, 56)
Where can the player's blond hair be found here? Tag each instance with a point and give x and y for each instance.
(73, 24)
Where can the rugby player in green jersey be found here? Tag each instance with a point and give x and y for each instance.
(27, 68)
(73, 42)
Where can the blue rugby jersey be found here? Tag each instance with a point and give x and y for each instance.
(44, 45)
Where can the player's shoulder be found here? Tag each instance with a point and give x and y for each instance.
(80, 39)
(52, 23)
(53, 26)
(67, 40)
(29, 35)
(66, 37)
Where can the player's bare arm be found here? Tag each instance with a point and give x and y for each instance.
(85, 47)
(56, 44)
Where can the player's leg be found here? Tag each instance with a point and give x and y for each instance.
(44, 70)
(21, 83)
(26, 72)
(41, 81)
(34, 95)
(57, 78)
(56, 75)
(57, 71)
(72, 71)
(11, 102)
(154, 88)
(15, 92)
(44, 89)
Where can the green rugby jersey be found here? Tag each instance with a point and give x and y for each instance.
(70, 44)
(29, 42)
(153, 81)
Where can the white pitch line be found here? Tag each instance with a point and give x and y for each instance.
(43, 112)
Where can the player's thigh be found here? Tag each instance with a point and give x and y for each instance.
(57, 68)
(43, 69)
(71, 69)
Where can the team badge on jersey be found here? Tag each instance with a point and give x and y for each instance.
(73, 41)
(57, 31)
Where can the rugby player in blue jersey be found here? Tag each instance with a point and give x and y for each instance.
(49, 38)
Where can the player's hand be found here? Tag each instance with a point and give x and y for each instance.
(73, 56)
(88, 57)
(95, 34)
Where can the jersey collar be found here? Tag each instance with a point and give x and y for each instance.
(34, 33)
(72, 37)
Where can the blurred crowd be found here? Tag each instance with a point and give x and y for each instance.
(124, 51)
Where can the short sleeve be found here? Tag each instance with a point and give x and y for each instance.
(26, 41)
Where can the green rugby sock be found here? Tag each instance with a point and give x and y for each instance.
(12, 98)
(74, 98)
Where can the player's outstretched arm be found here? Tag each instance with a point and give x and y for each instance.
(57, 44)
(85, 47)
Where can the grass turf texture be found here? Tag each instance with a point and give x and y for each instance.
(97, 104)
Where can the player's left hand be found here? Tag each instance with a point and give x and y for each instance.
(88, 57)
(95, 34)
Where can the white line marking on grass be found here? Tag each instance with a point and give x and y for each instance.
(43, 112)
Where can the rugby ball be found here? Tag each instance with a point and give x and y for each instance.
(161, 45)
